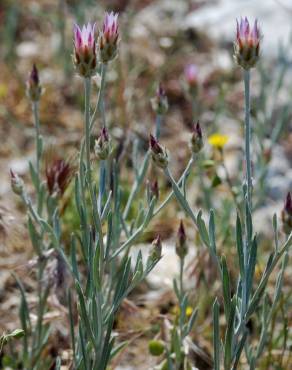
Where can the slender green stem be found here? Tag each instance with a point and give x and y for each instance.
(158, 126)
(35, 109)
(87, 86)
(137, 185)
(181, 271)
(247, 136)
(183, 202)
(180, 181)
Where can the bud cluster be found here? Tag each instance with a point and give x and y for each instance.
(197, 142)
(158, 152)
(33, 87)
(247, 44)
(287, 214)
(160, 102)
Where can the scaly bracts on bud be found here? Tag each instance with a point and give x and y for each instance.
(17, 184)
(156, 249)
(33, 87)
(102, 145)
(197, 142)
(287, 214)
(58, 175)
(154, 189)
(84, 57)
(158, 152)
(247, 44)
(160, 102)
(181, 248)
(109, 38)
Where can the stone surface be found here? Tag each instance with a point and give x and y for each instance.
(218, 19)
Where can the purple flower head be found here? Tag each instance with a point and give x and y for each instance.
(109, 37)
(191, 74)
(59, 173)
(34, 76)
(247, 35)
(102, 145)
(181, 245)
(84, 38)
(197, 130)
(84, 57)
(33, 87)
(104, 134)
(247, 44)
(160, 102)
(181, 234)
(197, 142)
(288, 204)
(154, 145)
(160, 92)
(110, 27)
(158, 152)
(154, 189)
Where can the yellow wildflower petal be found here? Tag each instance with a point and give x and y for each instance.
(218, 140)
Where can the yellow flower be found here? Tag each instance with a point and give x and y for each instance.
(218, 140)
(3, 91)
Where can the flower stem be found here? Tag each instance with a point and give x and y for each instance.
(35, 109)
(87, 86)
(247, 136)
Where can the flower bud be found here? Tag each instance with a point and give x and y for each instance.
(33, 87)
(153, 189)
(102, 145)
(181, 248)
(158, 152)
(247, 44)
(156, 249)
(191, 77)
(156, 347)
(196, 143)
(287, 214)
(17, 184)
(109, 38)
(84, 57)
(59, 173)
(159, 102)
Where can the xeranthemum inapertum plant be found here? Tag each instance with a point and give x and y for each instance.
(95, 271)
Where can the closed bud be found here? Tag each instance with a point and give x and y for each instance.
(181, 248)
(156, 249)
(247, 44)
(160, 102)
(33, 87)
(153, 189)
(197, 142)
(102, 145)
(84, 57)
(191, 77)
(156, 347)
(17, 184)
(287, 214)
(158, 152)
(109, 38)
